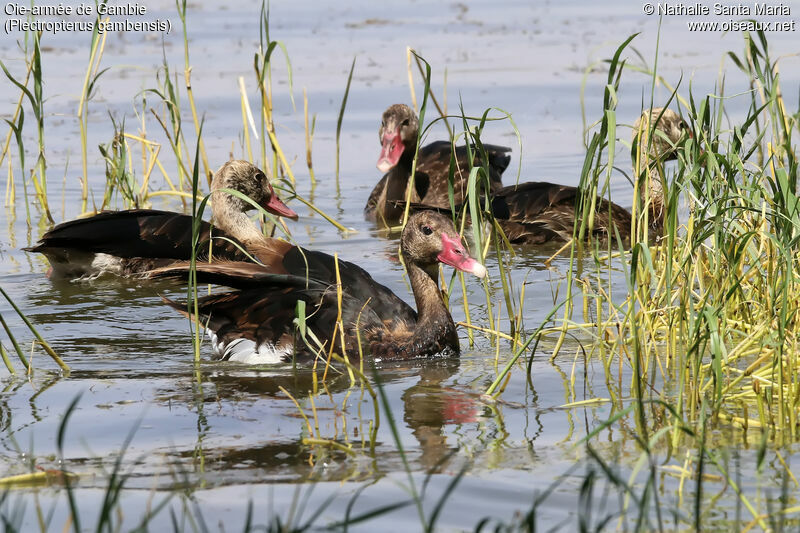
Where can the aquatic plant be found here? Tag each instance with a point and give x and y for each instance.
(341, 116)
(93, 73)
(17, 349)
(707, 323)
(35, 100)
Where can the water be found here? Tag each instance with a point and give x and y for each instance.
(237, 438)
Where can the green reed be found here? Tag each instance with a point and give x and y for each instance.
(341, 117)
(309, 138)
(36, 101)
(37, 105)
(277, 159)
(171, 122)
(16, 128)
(420, 133)
(96, 48)
(180, 6)
(709, 309)
(479, 202)
(17, 349)
(43, 343)
(15, 124)
(262, 63)
(118, 177)
(192, 303)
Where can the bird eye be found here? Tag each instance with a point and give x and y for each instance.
(404, 123)
(426, 230)
(682, 125)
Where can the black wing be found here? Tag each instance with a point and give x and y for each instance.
(139, 233)
(433, 168)
(308, 270)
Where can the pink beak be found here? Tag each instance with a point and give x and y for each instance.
(275, 206)
(454, 254)
(391, 149)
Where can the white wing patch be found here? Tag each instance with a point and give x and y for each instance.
(105, 263)
(82, 266)
(246, 351)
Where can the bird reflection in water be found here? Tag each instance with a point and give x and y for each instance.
(430, 405)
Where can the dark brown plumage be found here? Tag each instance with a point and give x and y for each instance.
(540, 212)
(398, 134)
(135, 241)
(258, 322)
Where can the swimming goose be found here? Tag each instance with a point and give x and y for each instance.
(258, 324)
(135, 241)
(540, 212)
(398, 135)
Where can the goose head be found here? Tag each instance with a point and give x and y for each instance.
(246, 178)
(671, 132)
(398, 134)
(429, 238)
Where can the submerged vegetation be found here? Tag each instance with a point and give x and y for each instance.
(697, 346)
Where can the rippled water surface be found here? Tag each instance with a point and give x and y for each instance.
(229, 433)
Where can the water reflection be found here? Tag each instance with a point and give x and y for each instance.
(429, 406)
(431, 409)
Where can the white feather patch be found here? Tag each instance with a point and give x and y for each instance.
(246, 351)
(84, 266)
(104, 263)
